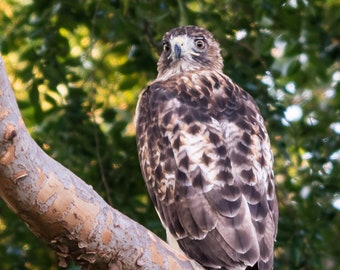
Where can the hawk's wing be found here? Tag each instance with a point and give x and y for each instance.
(206, 159)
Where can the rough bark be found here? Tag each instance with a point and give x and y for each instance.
(65, 212)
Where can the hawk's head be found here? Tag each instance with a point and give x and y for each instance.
(188, 48)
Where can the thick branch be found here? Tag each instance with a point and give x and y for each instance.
(63, 210)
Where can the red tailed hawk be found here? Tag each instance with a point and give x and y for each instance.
(205, 157)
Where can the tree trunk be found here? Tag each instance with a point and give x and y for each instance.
(65, 212)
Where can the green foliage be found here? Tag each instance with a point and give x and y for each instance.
(78, 66)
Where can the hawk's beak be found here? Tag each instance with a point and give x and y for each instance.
(178, 51)
(179, 48)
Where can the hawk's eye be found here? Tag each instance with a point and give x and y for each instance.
(199, 43)
(166, 47)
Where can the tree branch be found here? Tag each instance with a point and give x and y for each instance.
(65, 212)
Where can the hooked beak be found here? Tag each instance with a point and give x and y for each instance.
(179, 47)
(178, 51)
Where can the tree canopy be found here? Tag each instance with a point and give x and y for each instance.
(78, 67)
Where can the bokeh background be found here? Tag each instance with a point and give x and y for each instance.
(78, 66)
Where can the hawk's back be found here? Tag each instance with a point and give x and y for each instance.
(206, 159)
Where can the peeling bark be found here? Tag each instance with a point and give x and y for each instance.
(65, 212)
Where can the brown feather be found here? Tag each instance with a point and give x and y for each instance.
(206, 159)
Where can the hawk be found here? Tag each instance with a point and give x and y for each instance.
(205, 156)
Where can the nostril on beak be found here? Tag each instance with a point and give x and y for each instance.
(178, 51)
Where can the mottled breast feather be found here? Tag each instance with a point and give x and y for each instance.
(206, 160)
